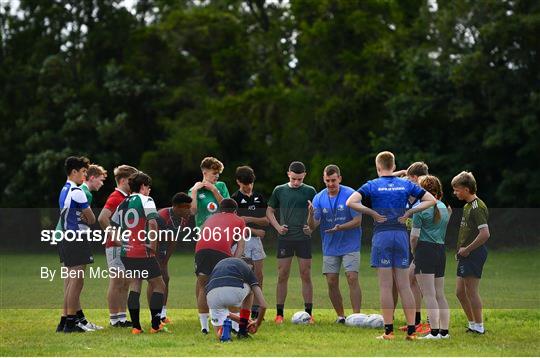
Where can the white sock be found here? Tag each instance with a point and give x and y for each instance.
(340, 317)
(163, 312)
(113, 317)
(472, 325)
(235, 326)
(479, 327)
(203, 317)
(122, 316)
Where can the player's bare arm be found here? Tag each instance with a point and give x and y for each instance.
(481, 239)
(256, 221)
(88, 216)
(194, 192)
(312, 223)
(352, 224)
(104, 218)
(426, 201)
(271, 215)
(355, 202)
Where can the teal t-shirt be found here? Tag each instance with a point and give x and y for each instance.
(292, 204)
(207, 203)
(429, 230)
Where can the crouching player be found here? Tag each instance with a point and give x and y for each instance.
(234, 284)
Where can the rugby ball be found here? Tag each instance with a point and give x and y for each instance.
(356, 320)
(374, 321)
(301, 317)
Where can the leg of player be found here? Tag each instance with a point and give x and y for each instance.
(284, 269)
(395, 296)
(244, 316)
(461, 294)
(355, 292)
(165, 274)
(444, 311)
(258, 268)
(417, 293)
(332, 280)
(427, 285)
(156, 302)
(386, 279)
(407, 299)
(202, 306)
(74, 288)
(307, 286)
(134, 305)
(472, 290)
(63, 318)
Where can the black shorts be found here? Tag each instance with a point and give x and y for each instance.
(287, 248)
(75, 253)
(430, 258)
(139, 264)
(206, 260)
(473, 264)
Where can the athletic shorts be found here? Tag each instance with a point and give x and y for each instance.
(472, 265)
(139, 264)
(430, 258)
(113, 257)
(253, 249)
(390, 249)
(206, 260)
(350, 262)
(289, 248)
(220, 299)
(75, 253)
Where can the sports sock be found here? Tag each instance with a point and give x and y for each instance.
(113, 318)
(388, 328)
(70, 321)
(471, 324)
(163, 312)
(418, 318)
(411, 329)
(244, 318)
(435, 331)
(122, 316)
(134, 307)
(308, 307)
(156, 305)
(280, 309)
(479, 327)
(443, 332)
(203, 318)
(81, 318)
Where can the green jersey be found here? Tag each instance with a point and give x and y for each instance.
(475, 217)
(429, 230)
(292, 204)
(207, 203)
(87, 192)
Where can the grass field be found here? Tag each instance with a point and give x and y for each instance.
(29, 314)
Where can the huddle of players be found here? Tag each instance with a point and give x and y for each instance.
(337, 210)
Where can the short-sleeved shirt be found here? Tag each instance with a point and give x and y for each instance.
(114, 199)
(475, 217)
(88, 193)
(72, 202)
(133, 214)
(332, 211)
(430, 231)
(218, 232)
(292, 204)
(389, 197)
(231, 272)
(252, 206)
(168, 221)
(207, 203)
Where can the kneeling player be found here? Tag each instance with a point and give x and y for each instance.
(234, 284)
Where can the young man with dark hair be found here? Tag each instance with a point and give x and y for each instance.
(75, 216)
(173, 219)
(341, 234)
(137, 214)
(390, 250)
(472, 252)
(218, 233)
(252, 208)
(118, 286)
(292, 200)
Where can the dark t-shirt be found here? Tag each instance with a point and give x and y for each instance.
(231, 272)
(292, 204)
(253, 206)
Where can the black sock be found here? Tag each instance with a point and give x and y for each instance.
(156, 305)
(70, 321)
(280, 309)
(134, 307)
(243, 326)
(388, 328)
(418, 318)
(434, 331)
(411, 329)
(81, 318)
(62, 321)
(308, 307)
(443, 332)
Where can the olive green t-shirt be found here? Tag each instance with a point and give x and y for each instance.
(292, 204)
(475, 217)
(207, 203)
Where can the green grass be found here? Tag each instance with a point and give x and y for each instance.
(29, 313)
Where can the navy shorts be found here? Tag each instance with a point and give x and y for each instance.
(390, 249)
(473, 264)
(430, 258)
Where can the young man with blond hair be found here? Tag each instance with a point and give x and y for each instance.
(471, 249)
(390, 250)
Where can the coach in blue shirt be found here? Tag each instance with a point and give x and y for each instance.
(341, 234)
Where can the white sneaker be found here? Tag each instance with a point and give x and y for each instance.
(444, 337)
(85, 327)
(430, 336)
(94, 326)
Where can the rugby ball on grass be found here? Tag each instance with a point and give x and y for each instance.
(356, 320)
(374, 321)
(301, 317)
